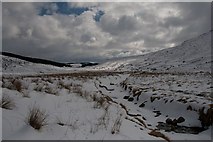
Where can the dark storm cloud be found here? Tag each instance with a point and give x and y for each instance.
(123, 29)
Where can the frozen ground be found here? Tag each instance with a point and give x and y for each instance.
(75, 109)
(157, 96)
(91, 105)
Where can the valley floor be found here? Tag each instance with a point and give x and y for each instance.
(108, 105)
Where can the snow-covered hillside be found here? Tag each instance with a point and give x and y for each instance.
(192, 56)
(11, 65)
(106, 105)
(164, 95)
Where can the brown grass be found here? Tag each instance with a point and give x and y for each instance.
(37, 118)
(206, 118)
(116, 126)
(18, 85)
(7, 102)
(100, 102)
(159, 134)
(50, 90)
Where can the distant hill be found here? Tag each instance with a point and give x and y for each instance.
(36, 60)
(85, 64)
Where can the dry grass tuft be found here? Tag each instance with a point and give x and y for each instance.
(100, 102)
(116, 126)
(104, 119)
(37, 118)
(18, 85)
(159, 134)
(12, 84)
(51, 90)
(206, 117)
(7, 102)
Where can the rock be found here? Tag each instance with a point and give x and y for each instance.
(169, 121)
(158, 114)
(130, 99)
(152, 99)
(174, 122)
(126, 97)
(125, 87)
(142, 105)
(130, 88)
(189, 107)
(179, 129)
(180, 120)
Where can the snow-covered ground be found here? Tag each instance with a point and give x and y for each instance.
(71, 109)
(14, 66)
(88, 106)
(164, 95)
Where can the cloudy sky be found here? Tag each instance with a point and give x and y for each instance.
(68, 32)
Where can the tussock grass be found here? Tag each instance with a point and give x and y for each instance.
(12, 84)
(104, 119)
(206, 117)
(100, 102)
(117, 124)
(159, 134)
(7, 102)
(37, 118)
(51, 90)
(18, 85)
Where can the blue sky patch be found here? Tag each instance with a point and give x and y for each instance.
(63, 8)
(98, 15)
(67, 9)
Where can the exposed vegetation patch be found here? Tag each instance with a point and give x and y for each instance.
(159, 134)
(7, 102)
(117, 125)
(37, 118)
(179, 129)
(206, 118)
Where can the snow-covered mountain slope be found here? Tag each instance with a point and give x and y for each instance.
(192, 56)
(11, 65)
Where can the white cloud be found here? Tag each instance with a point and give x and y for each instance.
(124, 29)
